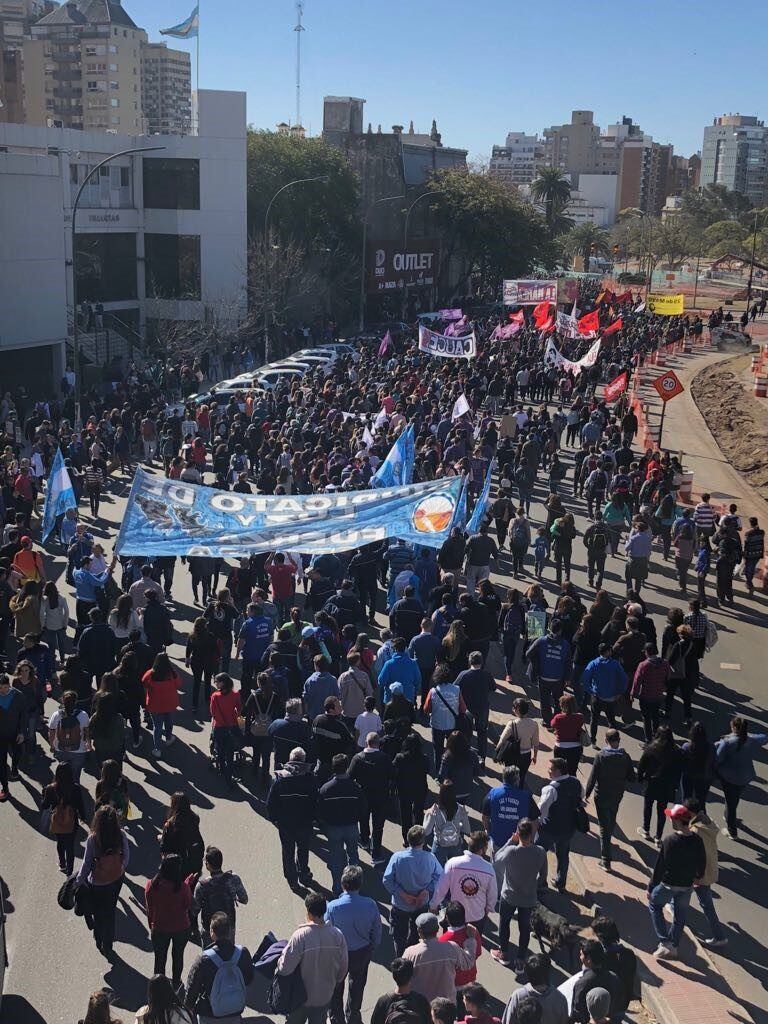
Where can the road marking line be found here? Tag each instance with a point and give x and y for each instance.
(730, 665)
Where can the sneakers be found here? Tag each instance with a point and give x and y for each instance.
(3, 795)
(156, 752)
(665, 952)
(170, 740)
(136, 744)
(605, 864)
(644, 833)
(500, 958)
(727, 832)
(715, 943)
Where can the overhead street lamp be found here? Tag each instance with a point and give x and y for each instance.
(75, 336)
(433, 192)
(288, 184)
(386, 199)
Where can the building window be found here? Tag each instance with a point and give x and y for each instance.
(115, 103)
(73, 169)
(172, 266)
(112, 49)
(115, 120)
(171, 184)
(113, 67)
(125, 177)
(106, 267)
(114, 85)
(92, 86)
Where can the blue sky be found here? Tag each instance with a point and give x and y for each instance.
(485, 68)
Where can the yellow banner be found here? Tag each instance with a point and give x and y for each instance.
(666, 305)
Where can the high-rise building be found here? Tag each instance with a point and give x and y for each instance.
(735, 154)
(166, 88)
(16, 20)
(572, 148)
(517, 161)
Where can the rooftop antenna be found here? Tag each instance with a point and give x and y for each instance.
(298, 30)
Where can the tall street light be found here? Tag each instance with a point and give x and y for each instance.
(289, 184)
(75, 334)
(386, 199)
(433, 192)
(752, 263)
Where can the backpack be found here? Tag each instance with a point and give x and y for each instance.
(519, 535)
(712, 637)
(62, 820)
(68, 733)
(598, 541)
(448, 833)
(686, 530)
(400, 1012)
(261, 720)
(217, 896)
(227, 996)
(108, 867)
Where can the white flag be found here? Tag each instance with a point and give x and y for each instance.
(460, 407)
(367, 438)
(380, 420)
(640, 308)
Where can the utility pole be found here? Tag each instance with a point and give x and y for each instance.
(298, 30)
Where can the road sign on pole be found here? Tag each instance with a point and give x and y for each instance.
(667, 386)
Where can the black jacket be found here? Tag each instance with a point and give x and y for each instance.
(13, 718)
(611, 771)
(341, 802)
(372, 770)
(411, 775)
(681, 859)
(292, 798)
(405, 618)
(97, 649)
(602, 978)
(158, 627)
(203, 972)
(288, 733)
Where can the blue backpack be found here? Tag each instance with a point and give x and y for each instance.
(227, 996)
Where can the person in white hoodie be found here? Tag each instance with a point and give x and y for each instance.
(54, 619)
(470, 879)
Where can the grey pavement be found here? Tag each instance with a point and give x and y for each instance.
(54, 963)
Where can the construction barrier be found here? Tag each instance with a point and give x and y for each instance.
(685, 486)
(661, 357)
(761, 386)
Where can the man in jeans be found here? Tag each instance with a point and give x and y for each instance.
(559, 803)
(680, 863)
(357, 918)
(550, 658)
(341, 805)
(319, 952)
(612, 769)
(703, 826)
(410, 878)
(480, 551)
(521, 862)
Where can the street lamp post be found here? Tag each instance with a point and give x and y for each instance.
(386, 199)
(75, 335)
(752, 264)
(433, 192)
(288, 184)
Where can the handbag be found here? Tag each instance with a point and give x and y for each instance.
(45, 822)
(287, 992)
(508, 752)
(584, 738)
(67, 893)
(581, 819)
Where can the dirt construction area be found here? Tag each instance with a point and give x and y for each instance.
(738, 420)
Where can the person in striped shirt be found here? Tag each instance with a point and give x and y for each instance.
(704, 516)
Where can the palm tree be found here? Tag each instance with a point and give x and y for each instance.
(587, 239)
(554, 189)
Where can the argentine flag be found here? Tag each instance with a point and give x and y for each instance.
(397, 469)
(482, 502)
(460, 512)
(186, 29)
(59, 494)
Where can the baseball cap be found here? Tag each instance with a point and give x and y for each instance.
(307, 632)
(26, 540)
(677, 812)
(396, 688)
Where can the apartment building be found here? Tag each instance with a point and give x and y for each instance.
(166, 85)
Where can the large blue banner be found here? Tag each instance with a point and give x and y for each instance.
(168, 517)
(397, 469)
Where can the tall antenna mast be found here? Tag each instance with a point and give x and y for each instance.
(298, 30)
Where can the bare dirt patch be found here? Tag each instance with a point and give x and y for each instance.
(738, 420)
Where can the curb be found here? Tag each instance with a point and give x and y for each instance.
(651, 992)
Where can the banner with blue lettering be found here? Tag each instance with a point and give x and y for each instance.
(397, 469)
(478, 515)
(448, 347)
(169, 517)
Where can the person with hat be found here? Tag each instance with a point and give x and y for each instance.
(680, 864)
(28, 563)
(435, 963)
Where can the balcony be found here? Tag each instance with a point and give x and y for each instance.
(66, 75)
(64, 56)
(68, 93)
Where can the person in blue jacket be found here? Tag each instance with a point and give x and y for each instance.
(605, 680)
(550, 658)
(400, 668)
(734, 764)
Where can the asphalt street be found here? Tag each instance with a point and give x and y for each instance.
(54, 964)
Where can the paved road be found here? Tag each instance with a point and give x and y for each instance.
(54, 964)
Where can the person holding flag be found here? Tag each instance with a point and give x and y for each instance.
(397, 469)
(59, 495)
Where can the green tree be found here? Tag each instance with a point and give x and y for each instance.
(554, 190)
(587, 239)
(712, 203)
(484, 224)
(723, 236)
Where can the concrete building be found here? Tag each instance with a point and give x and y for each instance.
(518, 160)
(166, 90)
(160, 237)
(16, 20)
(735, 154)
(684, 173)
(572, 148)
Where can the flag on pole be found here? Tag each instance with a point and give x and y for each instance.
(368, 438)
(613, 328)
(516, 318)
(541, 314)
(460, 512)
(589, 323)
(380, 420)
(59, 494)
(186, 29)
(397, 469)
(640, 308)
(386, 341)
(483, 501)
(461, 406)
(617, 387)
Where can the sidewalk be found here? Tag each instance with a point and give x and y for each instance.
(690, 990)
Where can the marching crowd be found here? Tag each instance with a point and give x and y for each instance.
(366, 680)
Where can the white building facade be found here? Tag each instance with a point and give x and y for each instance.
(160, 236)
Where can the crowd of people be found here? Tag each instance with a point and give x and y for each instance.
(366, 680)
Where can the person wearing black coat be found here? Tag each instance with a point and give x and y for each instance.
(411, 768)
(612, 769)
(341, 806)
(13, 724)
(406, 615)
(372, 770)
(97, 646)
(291, 805)
(660, 767)
(158, 627)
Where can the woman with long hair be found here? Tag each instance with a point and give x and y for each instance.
(411, 767)
(99, 1009)
(734, 763)
(107, 727)
(446, 821)
(54, 619)
(601, 608)
(25, 608)
(699, 766)
(105, 859)
(523, 735)
(163, 1004)
(181, 834)
(112, 789)
(226, 710)
(586, 642)
(567, 725)
(202, 656)
(660, 768)
(128, 677)
(26, 681)
(685, 673)
(124, 619)
(162, 683)
(454, 649)
(460, 764)
(64, 798)
(168, 899)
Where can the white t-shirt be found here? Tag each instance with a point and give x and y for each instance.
(368, 721)
(53, 723)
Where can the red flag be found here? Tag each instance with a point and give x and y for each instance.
(624, 297)
(541, 314)
(517, 318)
(617, 387)
(589, 323)
(547, 327)
(613, 328)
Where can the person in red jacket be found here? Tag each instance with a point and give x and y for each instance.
(457, 930)
(162, 684)
(649, 685)
(226, 710)
(168, 899)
